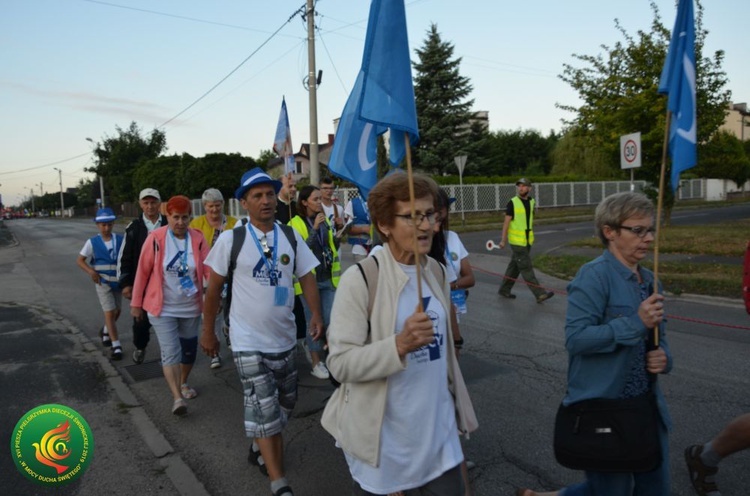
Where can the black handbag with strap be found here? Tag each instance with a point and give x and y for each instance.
(609, 435)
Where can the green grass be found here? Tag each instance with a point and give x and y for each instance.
(723, 240)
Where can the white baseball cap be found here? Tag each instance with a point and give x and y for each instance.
(149, 192)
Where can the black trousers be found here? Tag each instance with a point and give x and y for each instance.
(141, 332)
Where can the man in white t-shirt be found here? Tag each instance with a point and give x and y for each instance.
(261, 322)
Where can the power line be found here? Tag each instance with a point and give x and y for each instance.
(46, 165)
(175, 16)
(204, 95)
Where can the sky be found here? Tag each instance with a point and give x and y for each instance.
(77, 69)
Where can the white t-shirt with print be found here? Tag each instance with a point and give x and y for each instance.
(176, 304)
(419, 438)
(255, 322)
(455, 253)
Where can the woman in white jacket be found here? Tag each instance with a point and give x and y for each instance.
(402, 398)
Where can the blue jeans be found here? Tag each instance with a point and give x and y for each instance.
(327, 293)
(654, 483)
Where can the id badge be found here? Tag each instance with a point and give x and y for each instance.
(458, 297)
(187, 286)
(281, 296)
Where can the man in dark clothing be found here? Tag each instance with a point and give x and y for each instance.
(127, 261)
(518, 231)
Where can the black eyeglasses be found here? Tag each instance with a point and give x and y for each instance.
(432, 218)
(639, 231)
(264, 245)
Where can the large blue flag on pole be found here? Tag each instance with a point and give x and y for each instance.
(678, 81)
(282, 143)
(382, 99)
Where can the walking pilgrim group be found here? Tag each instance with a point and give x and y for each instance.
(386, 331)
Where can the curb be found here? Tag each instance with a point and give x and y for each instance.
(180, 474)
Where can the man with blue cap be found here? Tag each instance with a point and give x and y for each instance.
(101, 250)
(262, 330)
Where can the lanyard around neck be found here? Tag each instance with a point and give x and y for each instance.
(185, 250)
(274, 252)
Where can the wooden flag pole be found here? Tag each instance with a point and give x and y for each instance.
(417, 258)
(288, 194)
(659, 201)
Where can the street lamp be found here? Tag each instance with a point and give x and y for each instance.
(101, 179)
(62, 201)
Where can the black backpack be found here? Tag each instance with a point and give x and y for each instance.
(238, 239)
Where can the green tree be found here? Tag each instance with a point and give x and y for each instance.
(520, 152)
(443, 110)
(117, 157)
(216, 170)
(725, 158)
(166, 174)
(619, 94)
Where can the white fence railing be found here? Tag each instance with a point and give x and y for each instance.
(494, 197)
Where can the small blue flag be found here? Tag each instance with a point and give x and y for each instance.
(382, 99)
(678, 78)
(282, 143)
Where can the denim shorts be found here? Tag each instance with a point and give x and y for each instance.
(178, 338)
(269, 382)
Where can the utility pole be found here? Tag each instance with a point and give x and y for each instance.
(312, 86)
(62, 200)
(31, 190)
(41, 189)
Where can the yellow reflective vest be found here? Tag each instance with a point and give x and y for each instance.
(518, 226)
(299, 225)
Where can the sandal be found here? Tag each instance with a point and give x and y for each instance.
(255, 458)
(699, 471)
(179, 407)
(106, 341)
(187, 392)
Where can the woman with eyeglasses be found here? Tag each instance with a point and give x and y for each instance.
(169, 286)
(612, 311)
(402, 398)
(315, 228)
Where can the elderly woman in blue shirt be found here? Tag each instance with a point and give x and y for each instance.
(612, 311)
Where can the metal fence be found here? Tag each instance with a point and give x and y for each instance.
(494, 197)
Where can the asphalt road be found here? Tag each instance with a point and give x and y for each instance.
(514, 362)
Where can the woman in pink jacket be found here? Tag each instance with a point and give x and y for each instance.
(169, 286)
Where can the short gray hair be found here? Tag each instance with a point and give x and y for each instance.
(212, 195)
(616, 209)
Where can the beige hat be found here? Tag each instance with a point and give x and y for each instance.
(149, 192)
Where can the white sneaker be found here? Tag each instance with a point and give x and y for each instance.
(216, 362)
(320, 371)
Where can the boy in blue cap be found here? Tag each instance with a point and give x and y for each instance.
(102, 251)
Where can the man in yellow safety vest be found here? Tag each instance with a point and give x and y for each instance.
(518, 231)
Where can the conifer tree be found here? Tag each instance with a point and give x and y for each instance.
(443, 107)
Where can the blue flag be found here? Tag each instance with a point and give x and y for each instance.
(282, 143)
(382, 99)
(678, 81)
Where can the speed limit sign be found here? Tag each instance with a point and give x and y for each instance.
(630, 151)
